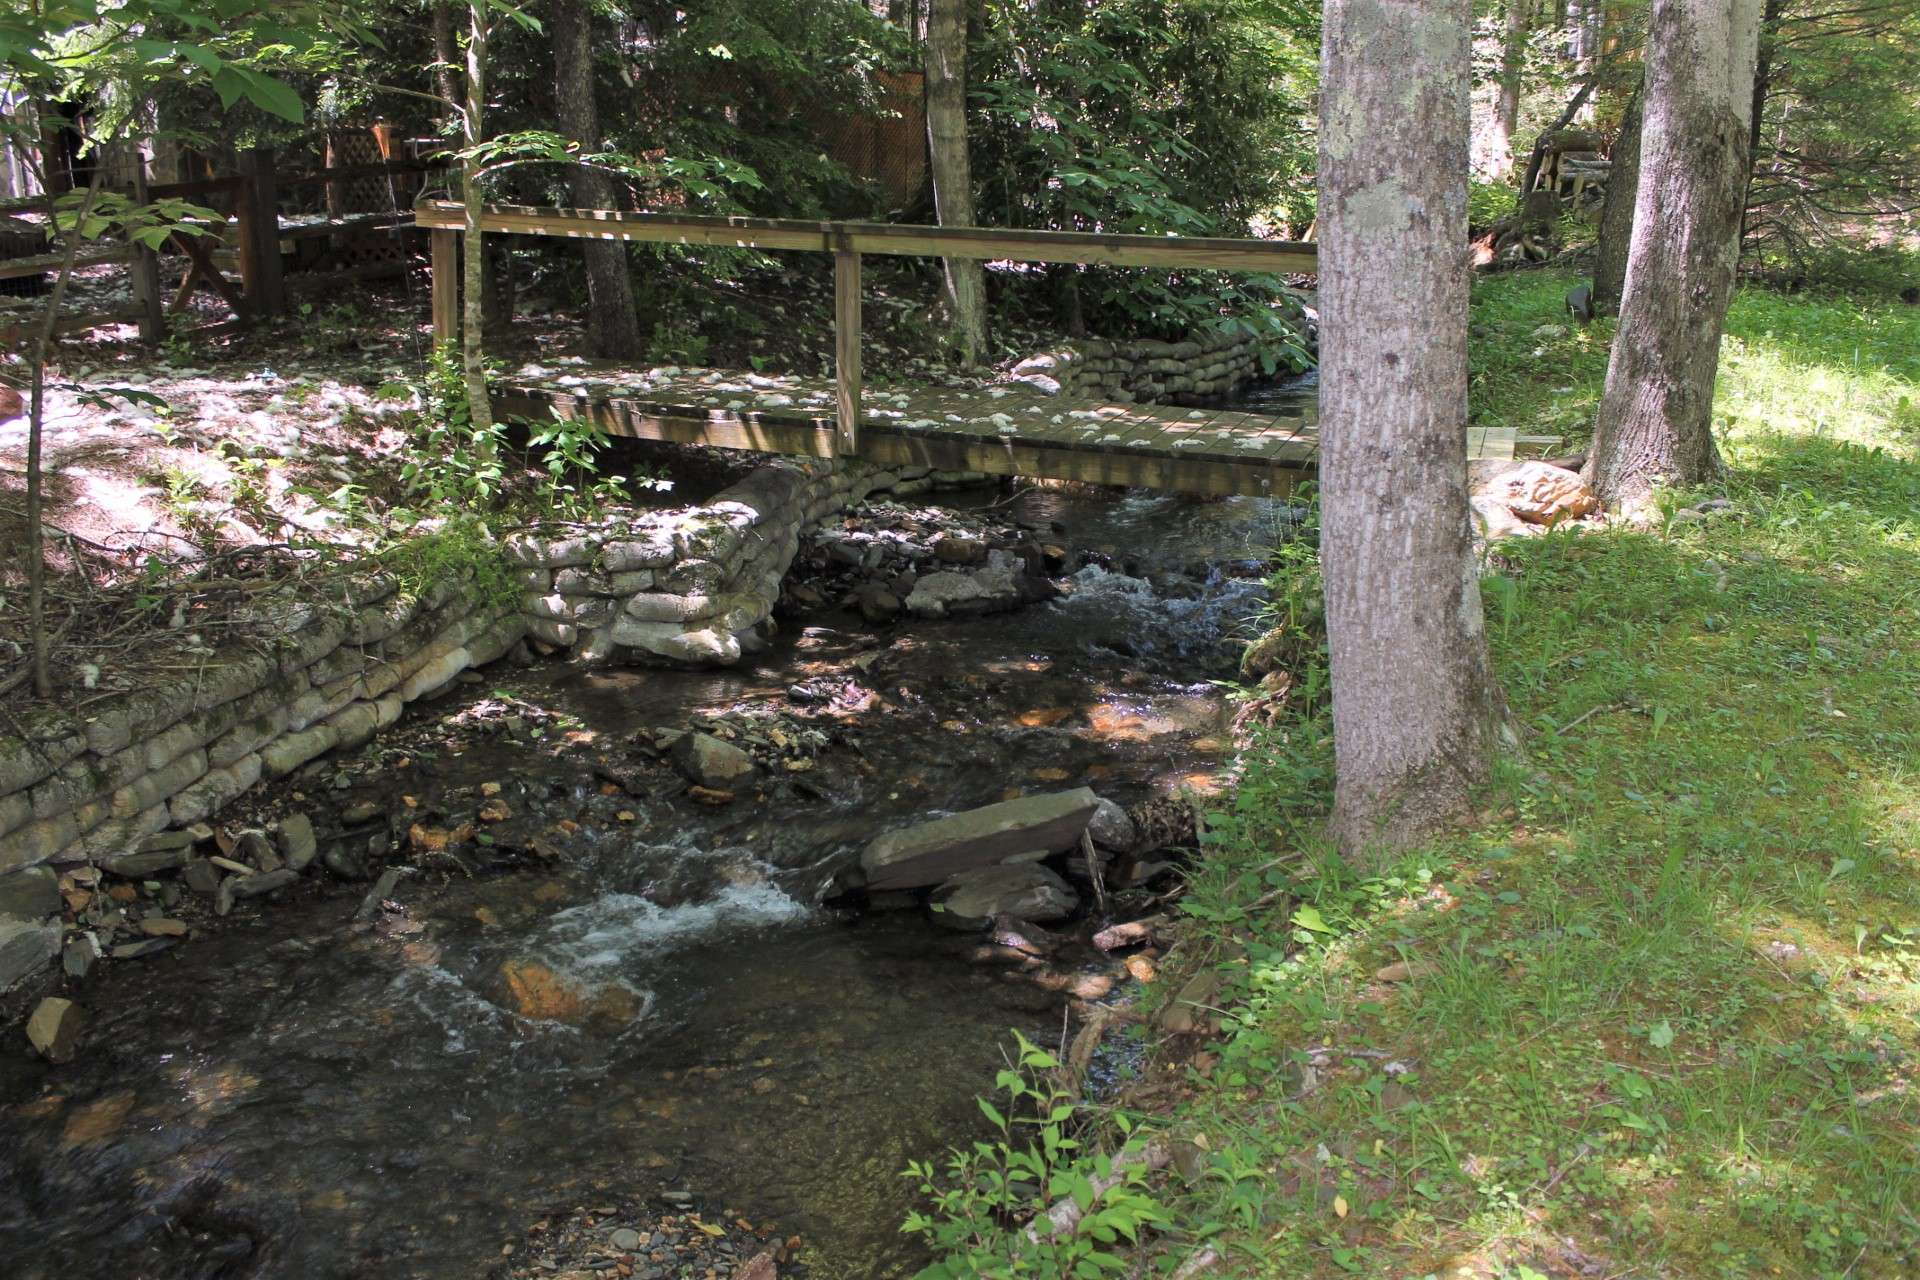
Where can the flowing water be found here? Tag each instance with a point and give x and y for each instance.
(293, 1096)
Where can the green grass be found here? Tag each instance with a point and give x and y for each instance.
(1664, 1003)
(1804, 366)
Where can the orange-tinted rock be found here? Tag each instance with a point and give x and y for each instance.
(535, 991)
(1540, 493)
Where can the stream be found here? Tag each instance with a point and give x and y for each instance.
(291, 1095)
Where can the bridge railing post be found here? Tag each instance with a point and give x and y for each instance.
(846, 346)
(445, 270)
(258, 211)
(145, 269)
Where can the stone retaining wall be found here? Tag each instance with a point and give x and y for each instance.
(695, 587)
(1205, 369)
(691, 587)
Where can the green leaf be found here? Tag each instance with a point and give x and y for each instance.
(1309, 917)
(272, 96)
(1661, 1036)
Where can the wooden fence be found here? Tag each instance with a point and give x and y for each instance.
(259, 243)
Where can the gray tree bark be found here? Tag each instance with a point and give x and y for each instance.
(446, 56)
(1413, 703)
(964, 283)
(1506, 113)
(612, 326)
(1616, 215)
(1655, 419)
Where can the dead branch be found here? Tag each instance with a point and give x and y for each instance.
(1064, 1216)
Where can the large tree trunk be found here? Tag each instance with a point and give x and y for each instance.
(1655, 420)
(965, 284)
(1506, 111)
(1412, 694)
(612, 327)
(1616, 216)
(473, 256)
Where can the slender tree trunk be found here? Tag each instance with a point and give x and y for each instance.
(473, 255)
(36, 422)
(1757, 111)
(612, 325)
(446, 55)
(1616, 215)
(1412, 694)
(1506, 113)
(964, 281)
(1655, 420)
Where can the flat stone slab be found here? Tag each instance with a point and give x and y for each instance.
(932, 852)
(1029, 891)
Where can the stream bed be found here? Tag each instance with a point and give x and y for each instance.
(294, 1094)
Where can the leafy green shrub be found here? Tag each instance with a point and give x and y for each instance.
(1841, 269)
(453, 460)
(461, 550)
(1136, 117)
(985, 1197)
(1488, 202)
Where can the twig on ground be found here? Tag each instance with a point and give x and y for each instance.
(1204, 1260)
(1586, 715)
(1092, 856)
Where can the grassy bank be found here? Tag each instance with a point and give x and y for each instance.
(1654, 1015)
(1657, 1016)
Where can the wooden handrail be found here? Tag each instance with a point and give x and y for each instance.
(41, 264)
(1194, 253)
(375, 169)
(197, 187)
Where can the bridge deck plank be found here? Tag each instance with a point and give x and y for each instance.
(1000, 430)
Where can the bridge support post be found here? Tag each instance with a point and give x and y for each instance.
(846, 347)
(145, 269)
(445, 271)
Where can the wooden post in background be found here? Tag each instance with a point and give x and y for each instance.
(144, 268)
(846, 348)
(446, 287)
(258, 208)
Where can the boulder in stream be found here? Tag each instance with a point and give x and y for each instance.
(25, 945)
(932, 852)
(712, 763)
(971, 899)
(55, 1028)
(954, 593)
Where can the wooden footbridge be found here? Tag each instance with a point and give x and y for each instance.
(1011, 429)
